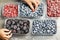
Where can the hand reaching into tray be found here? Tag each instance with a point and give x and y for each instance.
(5, 34)
(32, 3)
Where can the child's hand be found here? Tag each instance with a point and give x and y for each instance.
(35, 2)
(5, 34)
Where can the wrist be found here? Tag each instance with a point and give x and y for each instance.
(0, 39)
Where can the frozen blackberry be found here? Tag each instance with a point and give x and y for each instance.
(14, 31)
(15, 27)
(27, 27)
(12, 26)
(18, 24)
(26, 31)
(24, 28)
(25, 23)
(20, 21)
(22, 32)
(18, 29)
(13, 22)
(16, 20)
(7, 26)
(9, 22)
(21, 26)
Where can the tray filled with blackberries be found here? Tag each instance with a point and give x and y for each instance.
(18, 26)
(44, 27)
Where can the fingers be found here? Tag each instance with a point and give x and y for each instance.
(31, 2)
(31, 6)
(9, 36)
(38, 2)
(6, 30)
(7, 39)
(36, 5)
(7, 33)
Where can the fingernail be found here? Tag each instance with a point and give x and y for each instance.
(33, 10)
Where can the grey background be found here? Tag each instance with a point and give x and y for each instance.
(29, 36)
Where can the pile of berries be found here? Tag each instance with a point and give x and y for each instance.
(18, 25)
(44, 27)
(53, 8)
(10, 11)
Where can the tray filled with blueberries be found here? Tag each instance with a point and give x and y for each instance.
(13, 13)
(25, 11)
(44, 27)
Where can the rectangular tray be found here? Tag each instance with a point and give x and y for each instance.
(25, 11)
(53, 8)
(44, 27)
(10, 10)
(18, 26)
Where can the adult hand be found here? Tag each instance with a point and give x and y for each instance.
(32, 3)
(5, 34)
